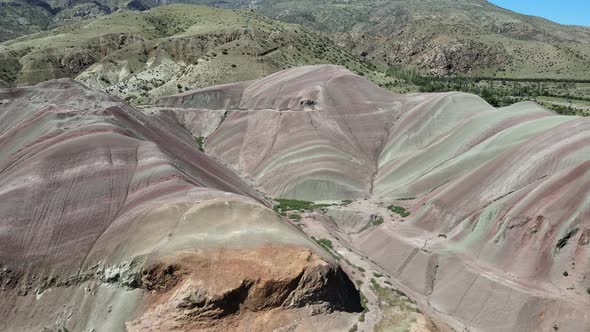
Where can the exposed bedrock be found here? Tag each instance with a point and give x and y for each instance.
(111, 218)
(196, 290)
(497, 197)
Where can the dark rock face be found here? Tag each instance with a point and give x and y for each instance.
(322, 284)
(77, 60)
(448, 58)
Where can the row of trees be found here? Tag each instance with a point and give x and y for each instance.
(497, 92)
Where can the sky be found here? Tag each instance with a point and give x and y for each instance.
(561, 11)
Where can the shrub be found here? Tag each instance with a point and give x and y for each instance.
(399, 210)
(362, 317)
(377, 221)
(200, 143)
(364, 302)
(325, 243)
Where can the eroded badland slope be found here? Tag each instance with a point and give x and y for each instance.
(111, 219)
(481, 213)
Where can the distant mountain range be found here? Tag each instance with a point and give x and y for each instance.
(448, 36)
(441, 37)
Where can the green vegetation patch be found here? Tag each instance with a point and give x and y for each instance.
(374, 221)
(296, 205)
(327, 244)
(292, 204)
(566, 97)
(329, 247)
(200, 143)
(399, 210)
(377, 221)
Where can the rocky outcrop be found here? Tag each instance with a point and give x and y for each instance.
(428, 52)
(246, 282)
(446, 58)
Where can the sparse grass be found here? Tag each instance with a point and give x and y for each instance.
(364, 302)
(294, 216)
(399, 312)
(364, 305)
(328, 246)
(399, 210)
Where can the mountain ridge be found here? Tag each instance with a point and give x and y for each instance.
(437, 37)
